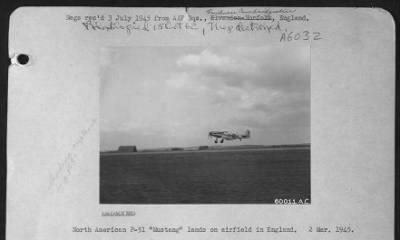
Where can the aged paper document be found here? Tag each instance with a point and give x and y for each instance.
(201, 123)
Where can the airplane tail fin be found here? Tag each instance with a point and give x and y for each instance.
(247, 134)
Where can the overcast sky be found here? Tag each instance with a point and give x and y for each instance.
(173, 96)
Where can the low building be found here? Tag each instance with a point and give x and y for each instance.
(177, 149)
(203, 147)
(127, 149)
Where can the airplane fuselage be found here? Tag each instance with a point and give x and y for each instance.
(225, 135)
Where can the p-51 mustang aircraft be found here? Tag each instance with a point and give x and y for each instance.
(225, 135)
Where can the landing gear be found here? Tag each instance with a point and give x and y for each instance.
(222, 141)
(216, 140)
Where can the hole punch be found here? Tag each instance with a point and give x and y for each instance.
(22, 59)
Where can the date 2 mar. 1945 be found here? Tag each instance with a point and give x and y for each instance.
(296, 36)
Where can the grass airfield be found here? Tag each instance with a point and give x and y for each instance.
(233, 175)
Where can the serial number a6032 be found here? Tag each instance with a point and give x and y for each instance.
(296, 36)
(291, 201)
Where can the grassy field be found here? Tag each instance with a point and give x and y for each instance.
(242, 176)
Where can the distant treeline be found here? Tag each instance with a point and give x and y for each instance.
(303, 145)
(289, 145)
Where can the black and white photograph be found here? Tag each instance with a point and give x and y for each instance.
(225, 124)
(200, 123)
